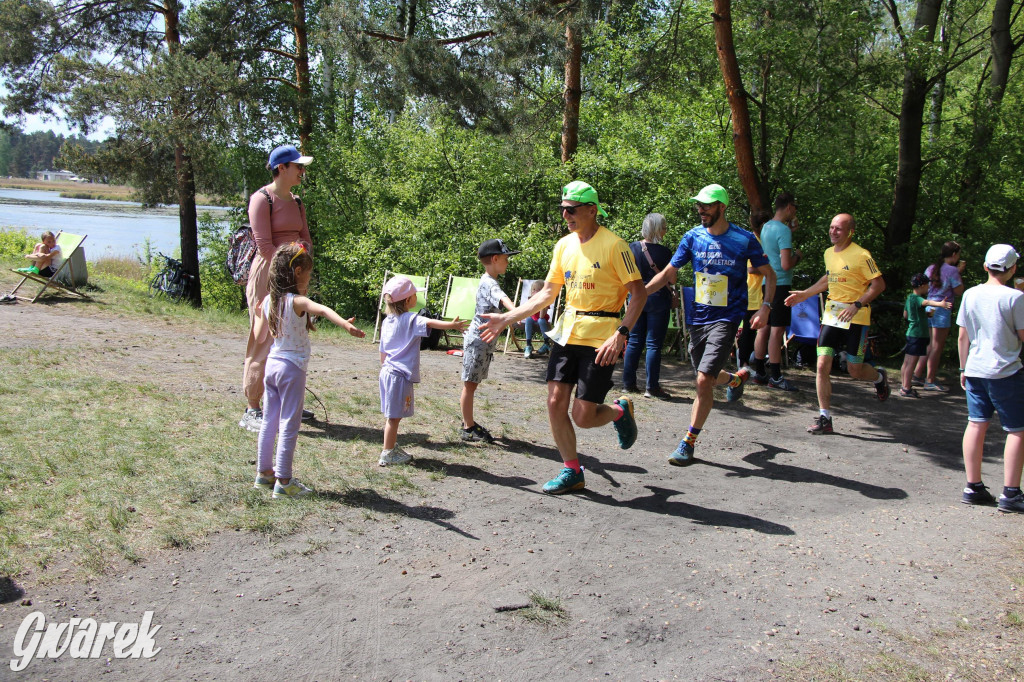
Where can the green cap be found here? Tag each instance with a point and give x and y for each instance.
(711, 194)
(577, 190)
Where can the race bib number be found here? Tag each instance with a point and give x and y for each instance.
(561, 330)
(831, 315)
(711, 289)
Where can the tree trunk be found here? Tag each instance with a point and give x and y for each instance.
(302, 74)
(987, 110)
(915, 96)
(741, 139)
(187, 219)
(939, 93)
(573, 93)
(410, 30)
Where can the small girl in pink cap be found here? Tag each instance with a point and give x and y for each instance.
(400, 337)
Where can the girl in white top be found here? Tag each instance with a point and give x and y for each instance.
(285, 314)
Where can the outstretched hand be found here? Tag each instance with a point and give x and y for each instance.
(494, 324)
(794, 298)
(460, 325)
(353, 329)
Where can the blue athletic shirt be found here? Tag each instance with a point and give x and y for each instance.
(727, 254)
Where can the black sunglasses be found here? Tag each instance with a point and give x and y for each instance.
(571, 210)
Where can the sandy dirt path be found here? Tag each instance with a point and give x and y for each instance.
(778, 555)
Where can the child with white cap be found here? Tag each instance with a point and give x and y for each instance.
(991, 321)
(400, 337)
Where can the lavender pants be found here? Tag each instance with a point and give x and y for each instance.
(284, 389)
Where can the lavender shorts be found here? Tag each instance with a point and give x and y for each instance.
(396, 394)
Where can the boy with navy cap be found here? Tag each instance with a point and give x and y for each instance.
(477, 353)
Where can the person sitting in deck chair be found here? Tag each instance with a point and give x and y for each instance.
(46, 257)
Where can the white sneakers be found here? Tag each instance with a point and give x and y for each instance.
(252, 420)
(394, 456)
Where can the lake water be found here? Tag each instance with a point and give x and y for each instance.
(113, 227)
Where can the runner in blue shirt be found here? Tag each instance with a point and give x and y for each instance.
(718, 251)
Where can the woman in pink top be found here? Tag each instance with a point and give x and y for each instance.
(277, 217)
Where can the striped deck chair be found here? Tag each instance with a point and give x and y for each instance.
(460, 302)
(65, 278)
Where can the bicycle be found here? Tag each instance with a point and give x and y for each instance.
(172, 280)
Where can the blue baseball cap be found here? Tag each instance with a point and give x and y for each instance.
(287, 153)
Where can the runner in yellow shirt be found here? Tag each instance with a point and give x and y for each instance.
(598, 271)
(853, 281)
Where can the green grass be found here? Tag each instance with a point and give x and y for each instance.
(544, 610)
(102, 463)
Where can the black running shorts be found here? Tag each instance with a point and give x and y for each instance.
(574, 364)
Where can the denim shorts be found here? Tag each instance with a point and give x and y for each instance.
(1005, 396)
(941, 318)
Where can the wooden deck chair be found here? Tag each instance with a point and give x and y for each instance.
(804, 325)
(460, 302)
(516, 335)
(65, 278)
(420, 281)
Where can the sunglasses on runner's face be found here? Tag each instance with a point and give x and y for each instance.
(571, 210)
(704, 206)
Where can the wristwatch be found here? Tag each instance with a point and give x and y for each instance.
(624, 330)
(767, 304)
(858, 304)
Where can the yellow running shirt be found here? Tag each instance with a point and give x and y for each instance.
(849, 273)
(755, 294)
(594, 275)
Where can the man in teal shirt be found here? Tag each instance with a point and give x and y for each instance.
(777, 241)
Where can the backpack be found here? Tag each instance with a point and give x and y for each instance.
(433, 339)
(242, 247)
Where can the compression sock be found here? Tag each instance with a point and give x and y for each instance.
(1009, 492)
(691, 435)
(825, 413)
(739, 377)
(757, 364)
(574, 465)
(775, 370)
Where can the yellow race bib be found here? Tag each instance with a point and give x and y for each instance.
(711, 289)
(831, 315)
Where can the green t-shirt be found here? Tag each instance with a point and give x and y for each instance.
(917, 321)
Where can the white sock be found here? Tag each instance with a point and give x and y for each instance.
(826, 414)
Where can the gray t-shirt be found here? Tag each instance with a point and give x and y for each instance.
(488, 300)
(992, 315)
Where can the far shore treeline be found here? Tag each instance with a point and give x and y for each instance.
(436, 124)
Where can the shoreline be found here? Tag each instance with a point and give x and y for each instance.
(87, 191)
